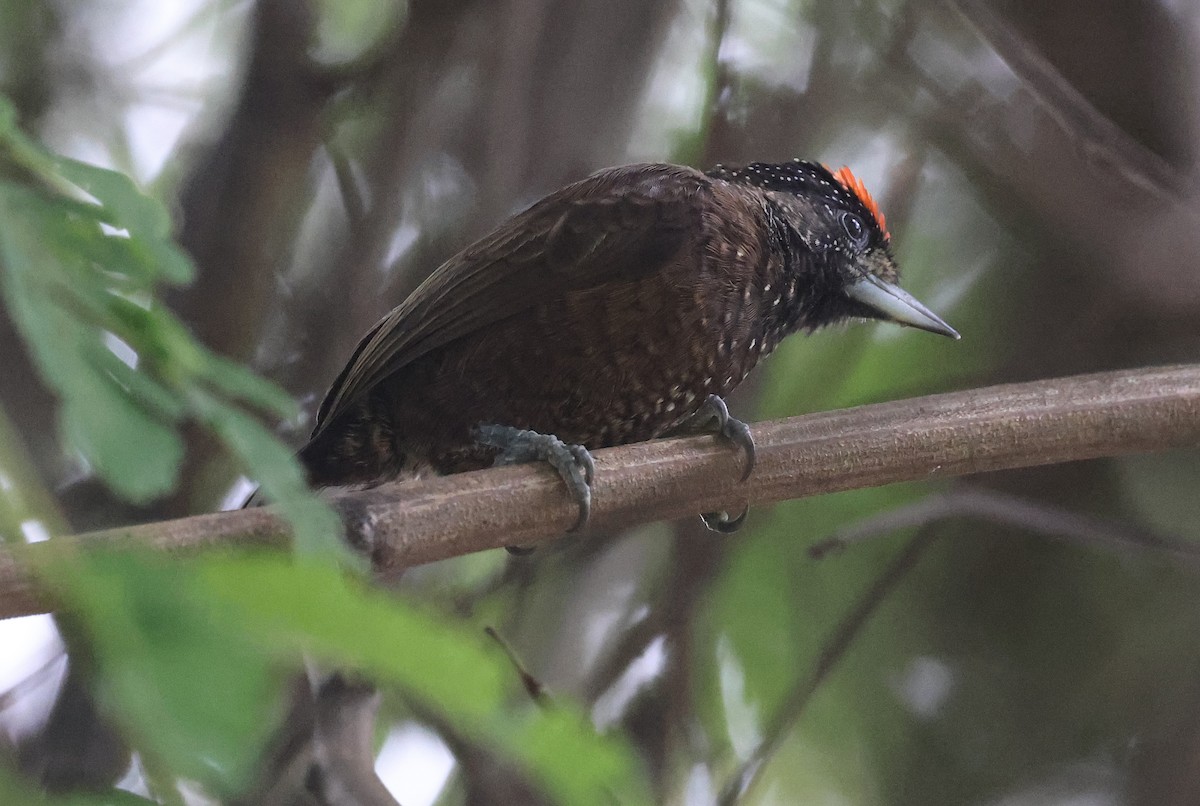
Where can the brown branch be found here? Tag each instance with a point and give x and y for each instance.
(996, 428)
(1101, 142)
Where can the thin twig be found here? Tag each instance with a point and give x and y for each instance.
(744, 778)
(987, 505)
(1010, 510)
(941, 436)
(534, 687)
(630, 646)
(351, 190)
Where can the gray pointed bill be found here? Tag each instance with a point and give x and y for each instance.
(895, 304)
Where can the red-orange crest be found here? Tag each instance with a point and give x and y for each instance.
(855, 186)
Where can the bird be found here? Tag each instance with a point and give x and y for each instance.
(621, 308)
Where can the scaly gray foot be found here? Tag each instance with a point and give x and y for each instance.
(714, 417)
(573, 462)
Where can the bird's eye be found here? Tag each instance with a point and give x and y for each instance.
(854, 228)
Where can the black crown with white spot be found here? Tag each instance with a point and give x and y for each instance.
(809, 179)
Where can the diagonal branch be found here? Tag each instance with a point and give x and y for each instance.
(1098, 139)
(779, 728)
(995, 428)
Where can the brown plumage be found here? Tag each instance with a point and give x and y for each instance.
(607, 313)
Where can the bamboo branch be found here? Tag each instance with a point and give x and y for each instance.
(981, 430)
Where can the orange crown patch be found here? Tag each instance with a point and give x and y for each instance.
(853, 184)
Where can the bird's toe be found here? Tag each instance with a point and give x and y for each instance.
(573, 463)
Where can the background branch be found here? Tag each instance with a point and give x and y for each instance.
(1010, 510)
(995, 428)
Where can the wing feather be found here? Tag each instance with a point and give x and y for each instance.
(617, 225)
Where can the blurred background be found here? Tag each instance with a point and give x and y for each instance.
(1037, 165)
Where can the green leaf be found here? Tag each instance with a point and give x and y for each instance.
(187, 654)
(145, 390)
(78, 273)
(20, 157)
(316, 529)
(134, 448)
(237, 383)
(448, 667)
(562, 751)
(294, 605)
(126, 207)
(137, 454)
(185, 682)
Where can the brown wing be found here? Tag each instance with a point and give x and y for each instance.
(617, 225)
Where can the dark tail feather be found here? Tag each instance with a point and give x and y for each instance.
(357, 449)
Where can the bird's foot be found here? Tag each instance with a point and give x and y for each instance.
(573, 462)
(714, 417)
(722, 522)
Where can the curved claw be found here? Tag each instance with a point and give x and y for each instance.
(738, 433)
(733, 430)
(583, 457)
(583, 497)
(573, 463)
(721, 522)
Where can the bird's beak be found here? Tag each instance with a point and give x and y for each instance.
(895, 304)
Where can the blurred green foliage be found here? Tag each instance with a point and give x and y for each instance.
(193, 656)
(347, 31)
(84, 255)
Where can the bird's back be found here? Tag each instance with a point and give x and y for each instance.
(604, 314)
